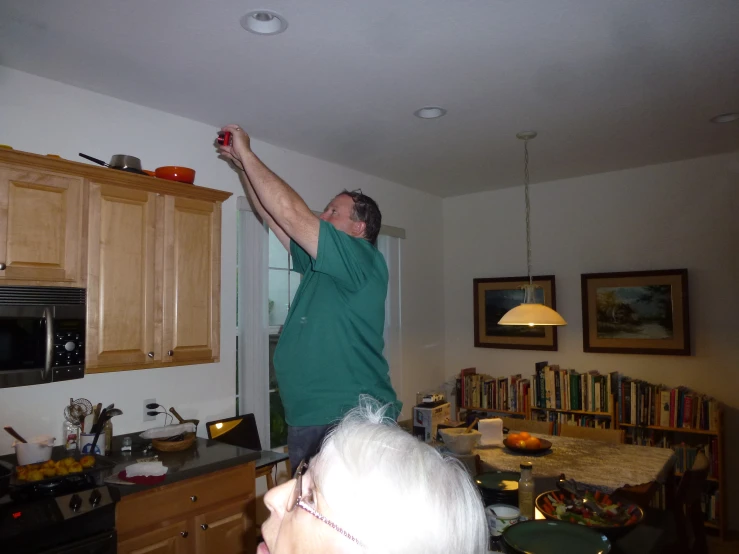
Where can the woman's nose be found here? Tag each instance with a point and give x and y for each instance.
(277, 497)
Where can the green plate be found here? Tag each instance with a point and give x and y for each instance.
(498, 480)
(555, 537)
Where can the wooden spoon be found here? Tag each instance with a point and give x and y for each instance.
(471, 425)
(14, 434)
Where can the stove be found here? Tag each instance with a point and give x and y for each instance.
(69, 516)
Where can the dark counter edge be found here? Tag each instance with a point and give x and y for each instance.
(221, 456)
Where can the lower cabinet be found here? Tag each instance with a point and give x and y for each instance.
(208, 514)
(168, 540)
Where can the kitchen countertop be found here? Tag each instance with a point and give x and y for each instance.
(205, 456)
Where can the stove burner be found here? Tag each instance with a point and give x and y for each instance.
(63, 486)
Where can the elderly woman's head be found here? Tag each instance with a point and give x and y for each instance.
(374, 488)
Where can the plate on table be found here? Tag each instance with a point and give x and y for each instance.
(619, 519)
(526, 444)
(555, 537)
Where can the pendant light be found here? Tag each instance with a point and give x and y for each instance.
(530, 312)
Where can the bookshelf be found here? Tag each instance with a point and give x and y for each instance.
(583, 418)
(478, 392)
(685, 442)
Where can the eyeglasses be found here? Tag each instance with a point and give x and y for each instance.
(296, 499)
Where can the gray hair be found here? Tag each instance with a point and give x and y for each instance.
(395, 493)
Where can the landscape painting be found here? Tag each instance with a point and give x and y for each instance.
(493, 297)
(642, 312)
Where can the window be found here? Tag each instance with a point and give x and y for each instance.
(283, 283)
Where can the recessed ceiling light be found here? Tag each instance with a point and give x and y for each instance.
(264, 22)
(725, 117)
(430, 112)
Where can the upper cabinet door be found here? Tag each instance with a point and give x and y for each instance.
(40, 226)
(124, 277)
(192, 279)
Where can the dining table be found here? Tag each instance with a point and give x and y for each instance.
(603, 466)
(610, 468)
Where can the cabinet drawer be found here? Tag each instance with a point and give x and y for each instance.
(154, 507)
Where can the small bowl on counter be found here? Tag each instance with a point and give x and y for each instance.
(37, 450)
(176, 173)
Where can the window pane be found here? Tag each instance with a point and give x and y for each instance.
(278, 296)
(294, 283)
(278, 256)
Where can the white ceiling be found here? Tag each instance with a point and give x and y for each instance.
(608, 84)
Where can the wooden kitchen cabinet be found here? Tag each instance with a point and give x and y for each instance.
(124, 277)
(147, 250)
(213, 513)
(172, 539)
(225, 529)
(192, 284)
(41, 226)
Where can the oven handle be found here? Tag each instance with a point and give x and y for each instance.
(49, 318)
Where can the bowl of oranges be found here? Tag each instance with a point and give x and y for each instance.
(526, 443)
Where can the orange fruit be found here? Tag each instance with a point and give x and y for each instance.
(513, 438)
(533, 442)
(524, 435)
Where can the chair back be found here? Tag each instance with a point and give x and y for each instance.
(237, 431)
(691, 533)
(615, 436)
(528, 425)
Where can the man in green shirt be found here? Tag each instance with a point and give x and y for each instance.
(330, 350)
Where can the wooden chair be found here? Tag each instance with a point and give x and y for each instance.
(603, 435)
(691, 532)
(528, 425)
(242, 431)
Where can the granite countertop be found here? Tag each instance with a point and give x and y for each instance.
(205, 456)
(600, 465)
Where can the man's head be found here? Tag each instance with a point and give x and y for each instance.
(356, 214)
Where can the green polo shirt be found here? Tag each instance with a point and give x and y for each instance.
(330, 349)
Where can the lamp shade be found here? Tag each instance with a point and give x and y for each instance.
(532, 314)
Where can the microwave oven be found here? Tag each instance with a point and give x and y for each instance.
(42, 335)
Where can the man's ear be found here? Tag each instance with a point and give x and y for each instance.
(359, 227)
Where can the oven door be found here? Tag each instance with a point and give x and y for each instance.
(24, 342)
(103, 543)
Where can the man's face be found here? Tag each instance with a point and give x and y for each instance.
(339, 214)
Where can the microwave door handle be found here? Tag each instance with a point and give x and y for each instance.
(49, 318)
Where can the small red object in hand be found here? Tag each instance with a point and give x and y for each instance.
(224, 137)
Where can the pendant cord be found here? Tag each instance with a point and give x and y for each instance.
(528, 207)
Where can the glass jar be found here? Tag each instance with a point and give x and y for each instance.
(70, 435)
(526, 491)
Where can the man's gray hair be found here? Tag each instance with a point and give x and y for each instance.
(394, 493)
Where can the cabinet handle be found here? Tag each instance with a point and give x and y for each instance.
(2, 266)
(204, 526)
(170, 352)
(184, 534)
(193, 498)
(150, 354)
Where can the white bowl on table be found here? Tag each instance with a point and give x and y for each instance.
(459, 440)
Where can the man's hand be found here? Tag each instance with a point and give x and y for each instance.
(240, 145)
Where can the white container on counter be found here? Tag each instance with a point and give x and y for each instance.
(36, 450)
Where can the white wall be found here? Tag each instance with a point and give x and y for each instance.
(46, 117)
(660, 217)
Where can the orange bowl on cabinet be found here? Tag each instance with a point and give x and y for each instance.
(176, 173)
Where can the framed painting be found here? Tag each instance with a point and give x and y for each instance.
(637, 312)
(494, 297)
